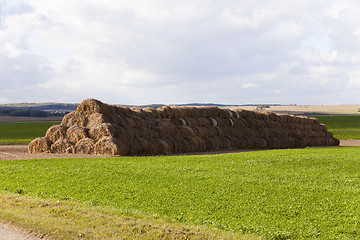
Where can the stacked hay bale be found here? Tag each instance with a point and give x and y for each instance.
(98, 128)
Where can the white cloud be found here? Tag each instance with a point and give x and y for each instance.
(179, 51)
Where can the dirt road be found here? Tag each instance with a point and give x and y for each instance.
(20, 152)
(10, 233)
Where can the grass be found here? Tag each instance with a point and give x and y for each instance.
(342, 126)
(64, 219)
(22, 132)
(282, 194)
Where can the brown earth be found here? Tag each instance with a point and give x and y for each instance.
(20, 152)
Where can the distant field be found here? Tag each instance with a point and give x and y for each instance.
(28, 119)
(342, 127)
(281, 194)
(312, 109)
(22, 132)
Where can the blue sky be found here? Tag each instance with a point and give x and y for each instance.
(160, 51)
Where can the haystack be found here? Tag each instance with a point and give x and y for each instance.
(99, 128)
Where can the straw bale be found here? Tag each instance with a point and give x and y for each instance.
(128, 122)
(183, 131)
(260, 123)
(90, 106)
(269, 116)
(229, 132)
(214, 121)
(85, 145)
(209, 143)
(176, 111)
(151, 112)
(182, 112)
(105, 129)
(223, 122)
(203, 112)
(250, 123)
(334, 141)
(239, 123)
(76, 133)
(314, 120)
(56, 132)
(165, 129)
(73, 118)
(139, 112)
(250, 141)
(62, 146)
(166, 112)
(230, 113)
(110, 146)
(121, 111)
(323, 128)
(125, 133)
(161, 146)
(179, 121)
(153, 148)
(138, 146)
(329, 134)
(201, 131)
(139, 122)
(247, 114)
(226, 142)
(39, 145)
(193, 143)
(179, 144)
(193, 122)
(235, 142)
(239, 132)
(252, 132)
(201, 143)
(205, 121)
(260, 142)
(96, 119)
(265, 132)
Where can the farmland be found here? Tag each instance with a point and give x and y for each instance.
(343, 127)
(22, 132)
(280, 194)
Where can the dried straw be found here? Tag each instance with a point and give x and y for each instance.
(62, 146)
(85, 145)
(39, 145)
(56, 132)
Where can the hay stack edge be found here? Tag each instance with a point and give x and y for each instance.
(99, 128)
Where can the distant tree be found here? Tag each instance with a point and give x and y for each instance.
(262, 106)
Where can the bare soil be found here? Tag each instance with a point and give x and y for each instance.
(20, 152)
(8, 232)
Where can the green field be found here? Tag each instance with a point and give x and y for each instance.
(342, 126)
(22, 132)
(281, 194)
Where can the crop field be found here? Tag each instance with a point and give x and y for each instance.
(343, 127)
(280, 194)
(22, 132)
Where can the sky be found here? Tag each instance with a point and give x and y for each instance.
(180, 51)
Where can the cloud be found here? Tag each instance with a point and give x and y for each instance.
(157, 51)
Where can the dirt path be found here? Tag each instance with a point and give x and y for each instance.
(8, 232)
(20, 152)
